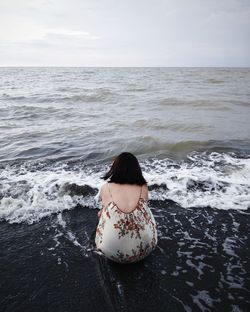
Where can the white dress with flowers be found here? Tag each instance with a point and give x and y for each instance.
(126, 237)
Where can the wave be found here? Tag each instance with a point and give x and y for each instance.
(205, 180)
(215, 81)
(204, 104)
(96, 95)
(148, 145)
(40, 145)
(32, 191)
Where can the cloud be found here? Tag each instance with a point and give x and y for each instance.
(66, 33)
(125, 33)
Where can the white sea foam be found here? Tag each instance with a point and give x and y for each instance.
(217, 180)
(31, 195)
(204, 301)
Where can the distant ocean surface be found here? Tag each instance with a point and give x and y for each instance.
(60, 128)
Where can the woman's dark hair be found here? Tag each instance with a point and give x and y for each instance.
(125, 170)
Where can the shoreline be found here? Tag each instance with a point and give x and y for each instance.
(201, 261)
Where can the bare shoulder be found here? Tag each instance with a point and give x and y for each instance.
(103, 187)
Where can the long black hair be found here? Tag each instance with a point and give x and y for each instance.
(125, 169)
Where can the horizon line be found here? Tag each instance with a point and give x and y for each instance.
(80, 66)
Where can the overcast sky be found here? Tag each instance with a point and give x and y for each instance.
(125, 33)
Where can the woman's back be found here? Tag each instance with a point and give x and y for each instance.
(125, 196)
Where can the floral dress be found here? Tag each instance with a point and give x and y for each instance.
(126, 237)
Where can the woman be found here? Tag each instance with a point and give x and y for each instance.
(126, 231)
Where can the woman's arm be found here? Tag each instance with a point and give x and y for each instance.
(100, 195)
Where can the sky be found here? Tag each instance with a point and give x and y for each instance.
(168, 33)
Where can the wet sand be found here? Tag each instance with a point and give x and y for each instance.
(200, 264)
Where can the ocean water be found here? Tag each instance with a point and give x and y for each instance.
(60, 128)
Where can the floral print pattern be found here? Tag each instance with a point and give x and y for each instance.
(138, 254)
(126, 237)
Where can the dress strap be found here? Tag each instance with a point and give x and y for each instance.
(109, 191)
(140, 192)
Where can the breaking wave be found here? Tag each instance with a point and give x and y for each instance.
(34, 190)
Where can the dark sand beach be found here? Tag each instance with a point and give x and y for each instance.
(201, 264)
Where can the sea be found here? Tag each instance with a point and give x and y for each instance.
(61, 128)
